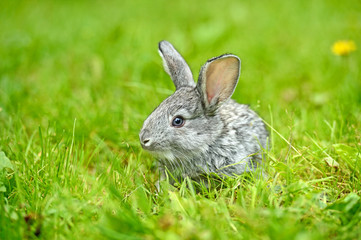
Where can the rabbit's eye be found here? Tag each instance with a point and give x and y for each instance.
(178, 121)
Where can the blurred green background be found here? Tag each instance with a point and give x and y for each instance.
(98, 62)
(78, 78)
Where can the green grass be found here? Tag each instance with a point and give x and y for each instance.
(78, 78)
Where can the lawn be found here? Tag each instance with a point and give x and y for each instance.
(78, 78)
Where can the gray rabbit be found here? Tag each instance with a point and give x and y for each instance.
(199, 130)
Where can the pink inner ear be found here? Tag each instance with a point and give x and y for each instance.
(221, 78)
(213, 86)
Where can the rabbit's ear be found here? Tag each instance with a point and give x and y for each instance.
(218, 79)
(175, 65)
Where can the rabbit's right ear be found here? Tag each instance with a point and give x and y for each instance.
(175, 65)
(217, 80)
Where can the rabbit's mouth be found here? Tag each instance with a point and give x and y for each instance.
(151, 146)
(156, 149)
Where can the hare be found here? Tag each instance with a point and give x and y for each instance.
(199, 130)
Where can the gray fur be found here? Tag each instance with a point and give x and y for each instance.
(221, 137)
(175, 65)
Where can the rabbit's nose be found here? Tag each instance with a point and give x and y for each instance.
(146, 143)
(145, 140)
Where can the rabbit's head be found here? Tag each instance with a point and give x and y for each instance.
(187, 122)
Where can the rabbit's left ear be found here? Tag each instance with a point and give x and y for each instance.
(175, 65)
(217, 80)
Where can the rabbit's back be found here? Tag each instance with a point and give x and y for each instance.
(243, 137)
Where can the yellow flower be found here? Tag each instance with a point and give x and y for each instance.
(343, 48)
